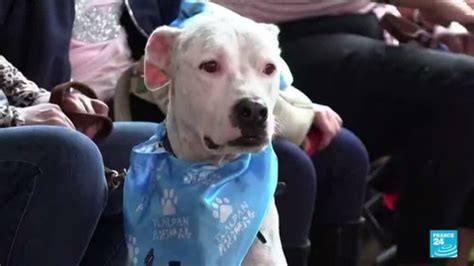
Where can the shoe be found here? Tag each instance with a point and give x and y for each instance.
(337, 245)
(298, 256)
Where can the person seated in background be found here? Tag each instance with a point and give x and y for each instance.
(416, 103)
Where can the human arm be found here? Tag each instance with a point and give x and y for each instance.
(19, 91)
(441, 12)
(41, 114)
(296, 114)
(24, 103)
(18, 97)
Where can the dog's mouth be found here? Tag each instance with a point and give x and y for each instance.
(249, 141)
(244, 141)
(210, 144)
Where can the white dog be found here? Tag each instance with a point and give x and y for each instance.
(225, 77)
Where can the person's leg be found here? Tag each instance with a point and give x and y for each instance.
(295, 205)
(376, 87)
(342, 170)
(400, 98)
(116, 150)
(366, 25)
(52, 193)
(107, 245)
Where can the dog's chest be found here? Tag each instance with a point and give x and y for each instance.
(195, 213)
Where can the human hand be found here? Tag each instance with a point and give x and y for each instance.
(42, 98)
(328, 122)
(45, 114)
(461, 43)
(443, 12)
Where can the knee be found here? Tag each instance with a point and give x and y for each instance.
(351, 148)
(347, 156)
(71, 163)
(66, 147)
(295, 167)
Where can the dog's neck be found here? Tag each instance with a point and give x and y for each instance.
(186, 143)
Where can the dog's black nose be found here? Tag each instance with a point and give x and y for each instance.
(250, 113)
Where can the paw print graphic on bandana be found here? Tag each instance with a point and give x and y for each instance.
(132, 249)
(222, 209)
(168, 202)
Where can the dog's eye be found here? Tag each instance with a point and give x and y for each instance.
(269, 69)
(210, 66)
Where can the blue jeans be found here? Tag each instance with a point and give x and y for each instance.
(342, 170)
(53, 190)
(52, 193)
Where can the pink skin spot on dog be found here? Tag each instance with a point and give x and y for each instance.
(154, 77)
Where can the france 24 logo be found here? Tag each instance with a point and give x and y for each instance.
(443, 244)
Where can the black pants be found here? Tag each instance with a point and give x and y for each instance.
(411, 101)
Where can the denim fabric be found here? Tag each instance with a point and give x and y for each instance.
(107, 245)
(53, 191)
(342, 169)
(17, 184)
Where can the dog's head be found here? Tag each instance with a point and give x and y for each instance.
(225, 75)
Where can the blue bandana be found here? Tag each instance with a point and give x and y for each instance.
(192, 8)
(194, 213)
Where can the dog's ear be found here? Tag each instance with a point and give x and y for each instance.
(158, 52)
(272, 28)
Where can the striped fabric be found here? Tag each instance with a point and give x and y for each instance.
(275, 11)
